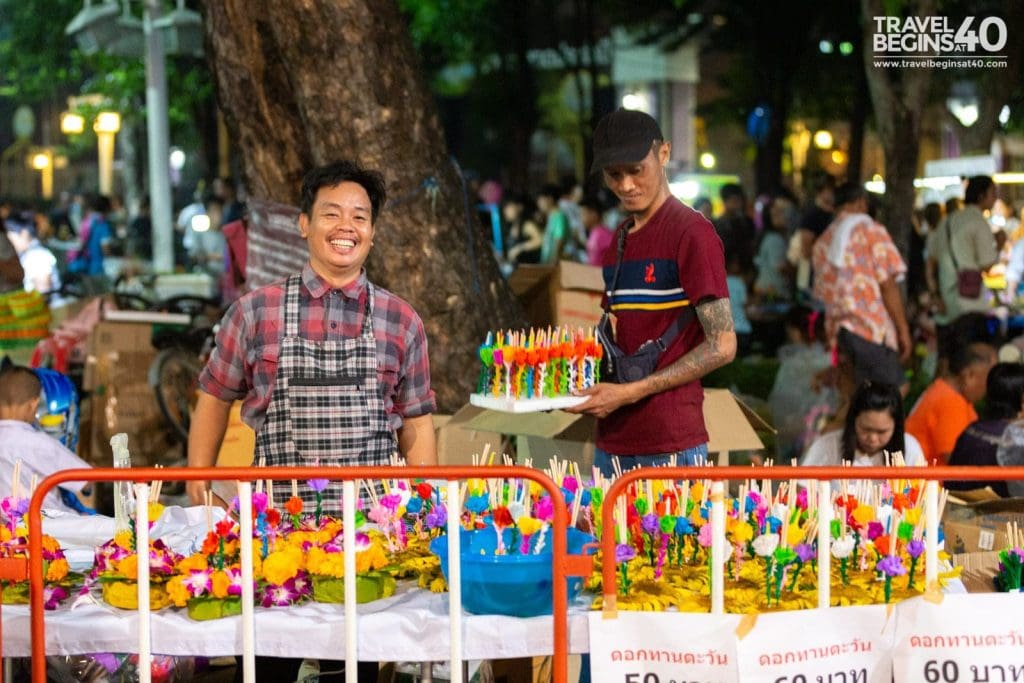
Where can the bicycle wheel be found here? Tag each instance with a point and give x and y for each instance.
(174, 378)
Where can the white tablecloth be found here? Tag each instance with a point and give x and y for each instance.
(411, 626)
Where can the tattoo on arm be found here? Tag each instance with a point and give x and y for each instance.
(716, 318)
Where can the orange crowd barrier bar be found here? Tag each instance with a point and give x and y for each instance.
(621, 485)
(562, 565)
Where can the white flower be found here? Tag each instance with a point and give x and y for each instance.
(517, 510)
(842, 547)
(781, 513)
(765, 544)
(882, 514)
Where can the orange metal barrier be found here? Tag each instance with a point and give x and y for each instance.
(563, 565)
(621, 484)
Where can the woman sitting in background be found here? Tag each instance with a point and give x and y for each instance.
(874, 426)
(979, 443)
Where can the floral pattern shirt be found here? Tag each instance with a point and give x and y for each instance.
(851, 293)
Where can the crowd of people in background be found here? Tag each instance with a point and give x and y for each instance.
(875, 352)
(818, 287)
(86, 240)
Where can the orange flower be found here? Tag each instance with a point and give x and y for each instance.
(882, 544)
(197, 561)
(129, 567)
(211, 543)
(220, 582)
(294, 506)
(56, 570)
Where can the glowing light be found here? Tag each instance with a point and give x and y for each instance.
(838, 157)
(708, 160)
(825, 47)
(107, 122)
(636, 100)
(686, 190)
(200, 223)
(177, 159)
(40, 161)
(71, 123)
(823, 139)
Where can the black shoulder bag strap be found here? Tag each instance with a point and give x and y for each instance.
(673, 330)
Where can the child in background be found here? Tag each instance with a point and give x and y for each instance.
(39, 453)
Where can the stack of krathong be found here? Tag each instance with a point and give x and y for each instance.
(537, 370)
(663, 540)
(116, 563)
(57, 577)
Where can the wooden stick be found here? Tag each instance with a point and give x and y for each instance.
(16, 480)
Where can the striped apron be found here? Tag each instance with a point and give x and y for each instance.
(326, 408)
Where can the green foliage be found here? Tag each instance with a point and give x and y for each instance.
(34, 52)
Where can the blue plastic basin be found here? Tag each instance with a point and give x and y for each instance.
(514, 585)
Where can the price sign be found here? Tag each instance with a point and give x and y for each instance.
(977, 637)
(645, 647)
(847, 645)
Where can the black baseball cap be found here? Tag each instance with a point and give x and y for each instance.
(624, 137)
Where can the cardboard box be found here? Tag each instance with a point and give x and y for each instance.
(980, 527)
(457, 442)
(566, 294)
(732, 426)
(979, 570)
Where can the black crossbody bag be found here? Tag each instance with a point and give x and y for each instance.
(619, 366)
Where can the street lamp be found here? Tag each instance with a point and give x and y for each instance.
(106, 127)
(103, 27)
(42, 161)
(72, 123)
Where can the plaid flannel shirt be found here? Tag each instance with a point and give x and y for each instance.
(244, 362)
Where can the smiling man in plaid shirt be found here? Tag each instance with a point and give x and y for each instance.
(330, 369)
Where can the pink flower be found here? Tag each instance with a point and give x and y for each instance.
(259, 502)
(235, 575)
(52, 596)
(704, 535)
(280, 596)
(198, 582)
(391, 501)
(544, 509)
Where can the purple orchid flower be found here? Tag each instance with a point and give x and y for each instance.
(302, 585)
(891, 565)
(52, 597)
(318, 485)
(235, 576)
(624, 553)
(437, 517)
(279, 596)
(198, 582)
(915, 547)
(649, 523)
(805, 551)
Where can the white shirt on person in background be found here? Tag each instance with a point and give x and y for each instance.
(827, 451)
(40, 454)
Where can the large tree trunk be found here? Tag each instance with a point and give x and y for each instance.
(899, 96)
(304, 83)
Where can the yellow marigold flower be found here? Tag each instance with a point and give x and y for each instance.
(742, 532)
(315, 559)
(794, 535)
(279, 567)
(5, 534)
(438, 585)
(155, 510)
(50, 544)
(57, 570)
(864, 514)
(177, 591)
(696, 491)
(231, 548)
(257, 565)
(528, 525)
(128, 567)
(193, 562)
(912, 516)
(123, 539)
(373, 557)
(220, 582)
